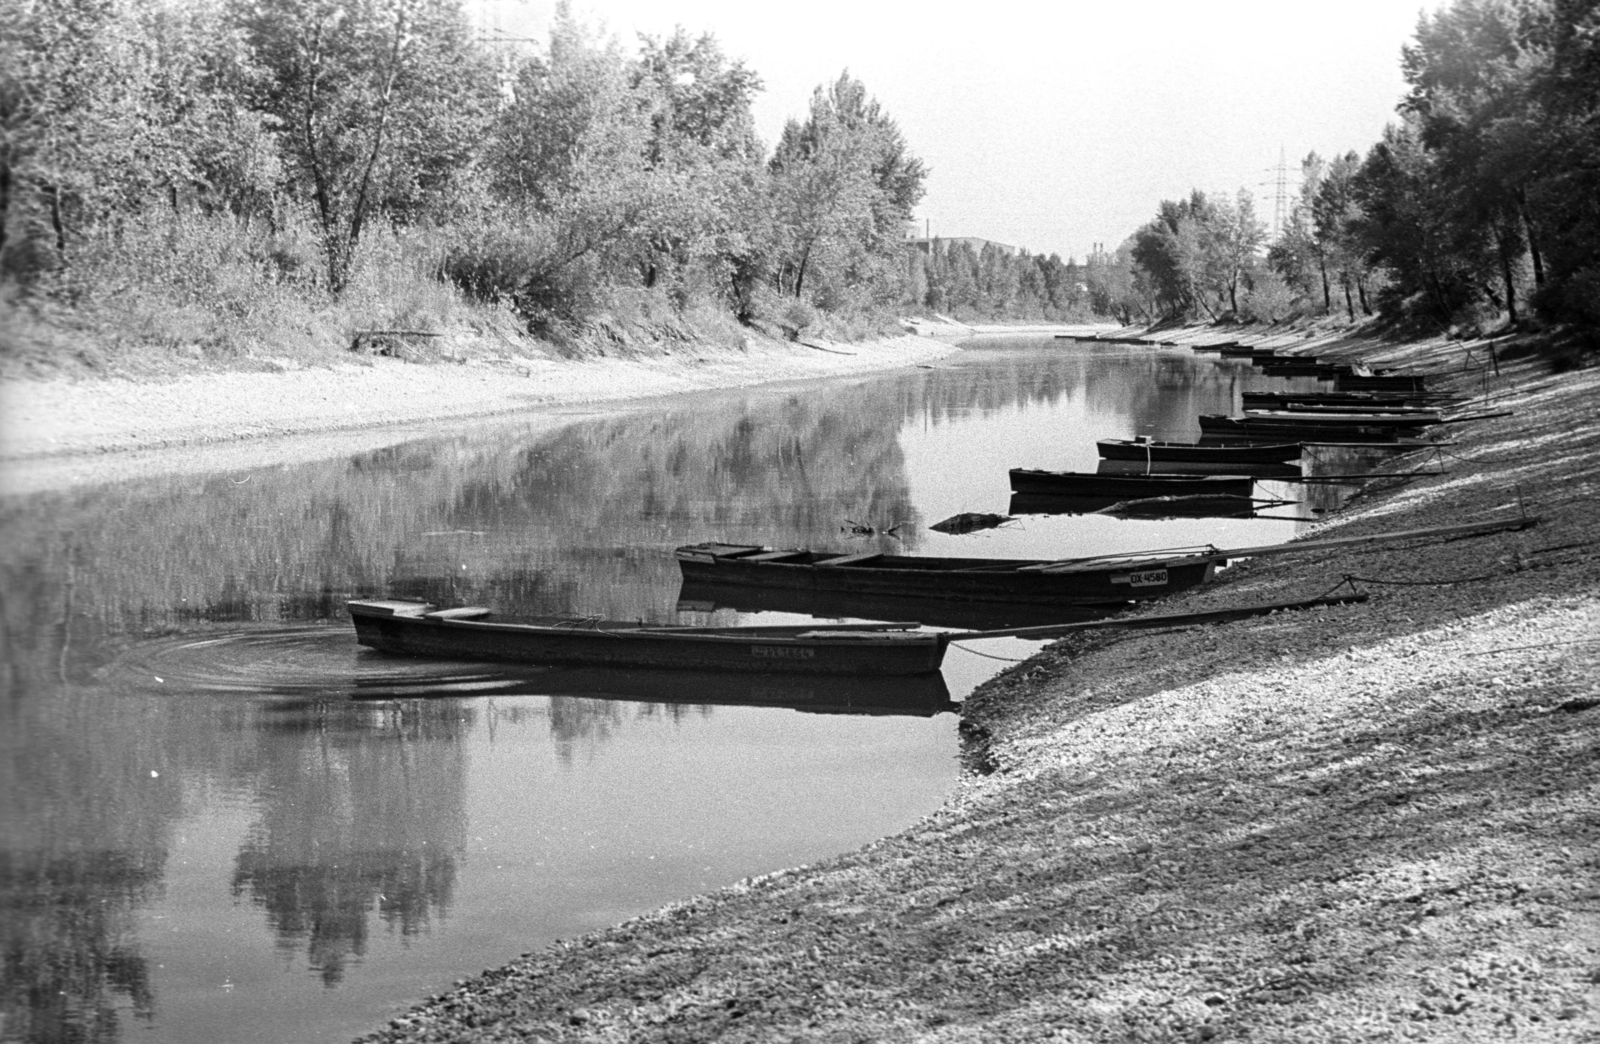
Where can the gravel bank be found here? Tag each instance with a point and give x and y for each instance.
(1375, 822)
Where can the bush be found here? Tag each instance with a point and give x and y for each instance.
(1268, 300)
(797, 317)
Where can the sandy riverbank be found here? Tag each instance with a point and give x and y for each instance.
(1377, 822)
(63, 432)
(56, 418)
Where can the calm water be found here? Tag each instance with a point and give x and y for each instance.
(221, 821)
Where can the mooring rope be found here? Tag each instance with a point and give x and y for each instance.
(989, 656)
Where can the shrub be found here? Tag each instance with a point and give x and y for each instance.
(797, 317)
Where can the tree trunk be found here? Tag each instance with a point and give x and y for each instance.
(1533, 239)
(800, 274)
(1505, 274)
(358, 213)
(56, 223)
(1361, 293)
(5, 200)
(1327, 291)
(1349, 301)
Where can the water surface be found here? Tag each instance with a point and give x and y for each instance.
(222, 820)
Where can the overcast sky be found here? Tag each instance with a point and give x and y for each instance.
(1057, 124)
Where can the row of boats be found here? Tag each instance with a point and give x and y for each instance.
(955, 591)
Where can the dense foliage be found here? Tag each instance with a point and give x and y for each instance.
(1482, 197)
(382, 162)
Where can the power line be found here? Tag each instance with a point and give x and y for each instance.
(1280, 201)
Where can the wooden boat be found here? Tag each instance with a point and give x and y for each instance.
(1403, 383)
(1190, 467)
(1369, 419)
(1218, 428)
(700, 596)
(1150, 450)
(419, 629)
(1104, 580)
(920, 695)
(1087, 484)
(1166, 506)
(1375, 401)
(1092, 581)
(1299, 368)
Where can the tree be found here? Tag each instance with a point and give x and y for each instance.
(370, 99)
(1233, 236)
(843, 186)
(1336, 217)
(1403, 227)
(1299, 256)
(112, 107)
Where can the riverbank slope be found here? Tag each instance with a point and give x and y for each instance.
(1375, 822)
(64, 417)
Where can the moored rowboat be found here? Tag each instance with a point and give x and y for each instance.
(1150, 450)
(1108, 580)
(1254, 429)
(1082, 484)
(419, 629)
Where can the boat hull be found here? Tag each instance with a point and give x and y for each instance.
(699, 596)
(1148, 507)
(1071, 483)
(945, 580)
(1233, 430)
(412, 632)
(1184, 452)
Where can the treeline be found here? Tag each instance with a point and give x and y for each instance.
(258, 166)
(996, 283)
(1481, 200)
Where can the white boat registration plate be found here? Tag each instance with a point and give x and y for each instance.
(1143, 578)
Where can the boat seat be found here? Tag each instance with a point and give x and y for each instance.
(728, 550)
(773, 556)
(843, 560)
(465, 612)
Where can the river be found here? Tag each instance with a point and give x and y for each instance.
(221, 820)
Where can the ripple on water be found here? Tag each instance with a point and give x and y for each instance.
(290, 661)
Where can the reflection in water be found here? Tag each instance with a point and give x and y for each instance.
(923, 695)
(71, 957)
(175, 665)
(356, 821)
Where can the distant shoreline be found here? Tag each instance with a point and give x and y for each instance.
(57, 433)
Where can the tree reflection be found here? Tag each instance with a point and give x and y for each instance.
(355, 823)
(69, 950)
(84, 835)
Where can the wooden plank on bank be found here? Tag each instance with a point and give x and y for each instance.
(1163, 619)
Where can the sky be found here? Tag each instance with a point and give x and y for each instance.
(1057, 125)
